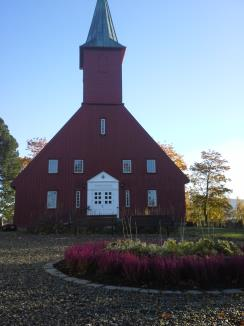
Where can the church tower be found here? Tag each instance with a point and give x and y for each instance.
(101, 60)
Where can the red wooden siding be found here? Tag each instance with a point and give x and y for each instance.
(80, 139)
(102, 76)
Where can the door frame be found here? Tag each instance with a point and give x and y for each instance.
(102, 182)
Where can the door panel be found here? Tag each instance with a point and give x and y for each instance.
(103, 203)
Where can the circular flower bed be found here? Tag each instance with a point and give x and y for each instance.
(206, 264)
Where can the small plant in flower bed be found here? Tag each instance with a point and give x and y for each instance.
(120, 263)
(203, 247)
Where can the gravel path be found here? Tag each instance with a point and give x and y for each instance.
(30, 296)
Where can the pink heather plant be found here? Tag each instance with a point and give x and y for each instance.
(82, 257)
(134, 268)
(156, 271)
(109, 262)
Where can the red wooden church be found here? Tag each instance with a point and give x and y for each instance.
(102, 162)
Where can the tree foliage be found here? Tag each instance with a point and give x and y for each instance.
(24, 161)
(174, 156)
(239, 211)
(9, 168)
(208, 187)
(35, 145)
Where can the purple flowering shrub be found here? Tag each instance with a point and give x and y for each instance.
(94, 259)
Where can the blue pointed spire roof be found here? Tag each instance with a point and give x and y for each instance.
(102, 32)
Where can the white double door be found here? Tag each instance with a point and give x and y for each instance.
(103, 195)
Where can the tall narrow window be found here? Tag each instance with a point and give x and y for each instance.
(78, 166)
(52, 166)
(77, 199)
(152, 198)
(127, 198)
(103, 126)
(51, 199)
(151, 166)
(127, 168)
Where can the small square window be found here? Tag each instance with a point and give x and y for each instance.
(127, 166)
(78, 166)
(52, 199)
(152, 198)
(52, 166)
(103, 126)
(151, 166)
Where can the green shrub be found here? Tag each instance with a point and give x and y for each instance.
(136, 246)
(203, 247)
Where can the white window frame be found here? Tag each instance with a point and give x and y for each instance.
(52, 166)
(152, 200)
(80, 164)
(127, 166)
(103, 126)
(127, 198)
(52, 201)
(77, 199)
(151, 166)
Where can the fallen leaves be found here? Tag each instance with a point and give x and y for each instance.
(166, 315)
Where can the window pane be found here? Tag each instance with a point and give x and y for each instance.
(127, 198)
(103, 126)
(53, 166)
(151, 166)
(127, 166)
(78, 166)
(77, 199)
(152, 198)
(52, 199)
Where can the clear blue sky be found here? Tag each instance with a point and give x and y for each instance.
(183, 74)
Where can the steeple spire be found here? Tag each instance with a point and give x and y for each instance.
(102, 32)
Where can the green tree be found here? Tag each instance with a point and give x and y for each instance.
(193, 209)
(9, 168)
(239, 211)
(208, 186)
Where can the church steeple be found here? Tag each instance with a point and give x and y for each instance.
(102, 32)
(101, 60)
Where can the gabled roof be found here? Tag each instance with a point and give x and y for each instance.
(103, 177)
(102, 32)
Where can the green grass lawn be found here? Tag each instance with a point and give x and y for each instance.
(191, 233)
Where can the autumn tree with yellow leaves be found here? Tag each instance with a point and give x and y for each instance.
(174, 156)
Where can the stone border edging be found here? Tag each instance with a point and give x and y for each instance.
(50, 269)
